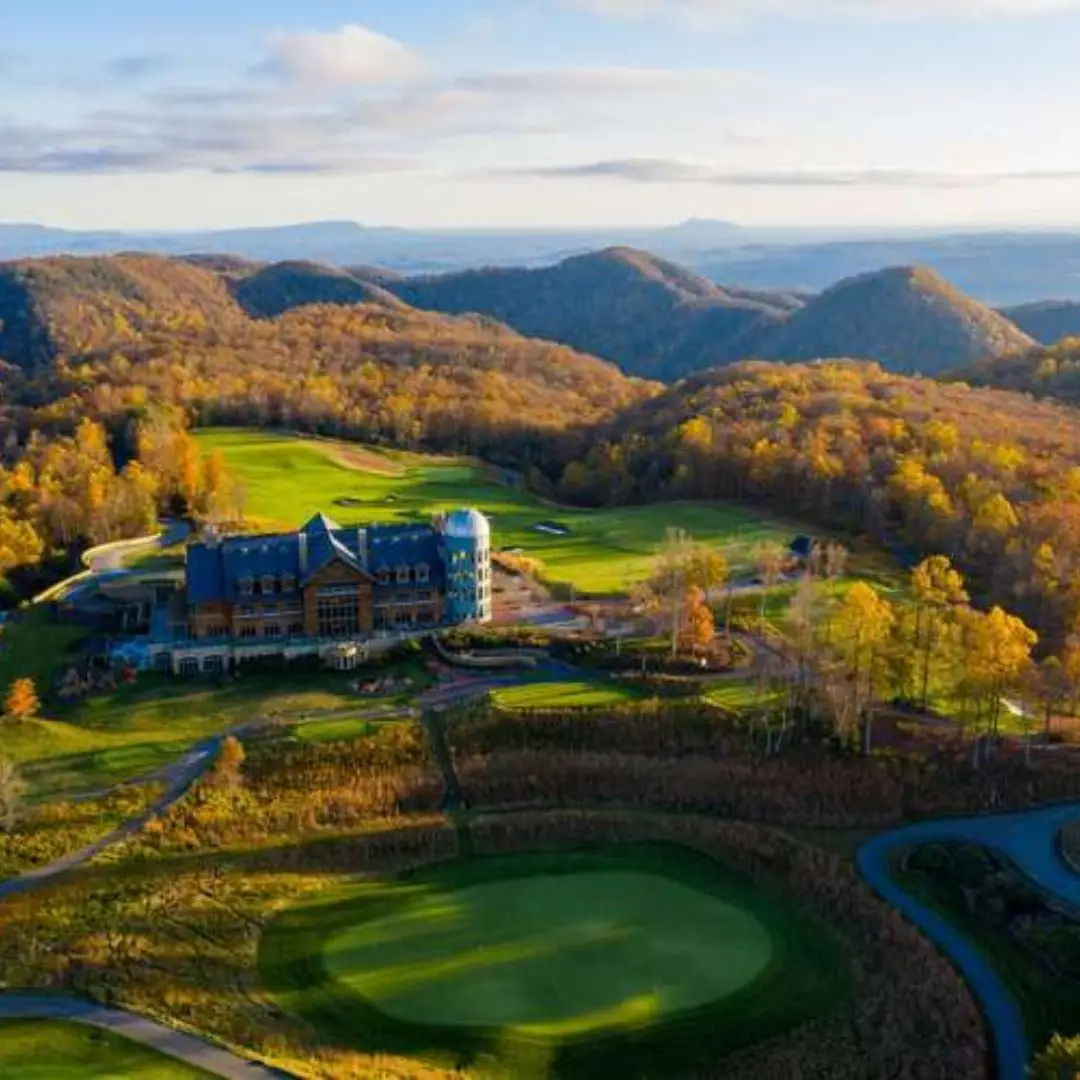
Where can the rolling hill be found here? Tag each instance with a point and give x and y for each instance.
(659, 320)
(908, 318)
(273, 290)
(652, 317)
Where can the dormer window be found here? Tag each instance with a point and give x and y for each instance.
(267, 584)
(423, 574)
(403, 575)
(288, 583)
(246, 585)
(383, 576)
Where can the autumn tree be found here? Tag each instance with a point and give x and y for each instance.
(699, 626)
(22, 701)
(862, 626)
(682, 570)
(939, 593)
(228, 766)
(997, 650)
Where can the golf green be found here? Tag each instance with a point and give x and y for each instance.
(551, 953)
(591, 962)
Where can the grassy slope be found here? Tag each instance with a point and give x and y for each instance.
(805, 977)
(138, 729)
(287, 480)
(53, 1050)
(578, 694)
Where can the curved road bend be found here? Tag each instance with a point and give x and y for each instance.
(1029, 839)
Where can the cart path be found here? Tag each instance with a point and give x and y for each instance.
(187, 1048)
(1028, 839)
(175, 1044)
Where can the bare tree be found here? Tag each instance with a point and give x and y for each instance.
(769, 561)
(12, 790)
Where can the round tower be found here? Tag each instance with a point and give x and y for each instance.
(467, 551)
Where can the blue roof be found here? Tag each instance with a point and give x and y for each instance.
(214, 570)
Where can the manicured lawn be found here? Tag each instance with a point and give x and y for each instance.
(739, 695)
(565, 695)
(340, 728)
(55, 1050)
(629, 961)
(286, 480)
(106, 740)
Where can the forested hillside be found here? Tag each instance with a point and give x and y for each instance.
(658, 320)
(650, 316)
(115, 337)
(990, 478)
(1052, 372)
(146, 346)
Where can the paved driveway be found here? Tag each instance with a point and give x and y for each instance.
(1029, 839)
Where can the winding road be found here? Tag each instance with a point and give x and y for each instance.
(187, 1048)
(1029, 839)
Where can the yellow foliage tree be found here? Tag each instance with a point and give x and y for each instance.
(22, 700)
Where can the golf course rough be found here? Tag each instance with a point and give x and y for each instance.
(555, 964)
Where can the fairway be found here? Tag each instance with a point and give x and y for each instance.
(564, 695)
(607, 957)
(57, 1050)
(287, 479)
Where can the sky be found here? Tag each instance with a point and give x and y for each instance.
(539, 113)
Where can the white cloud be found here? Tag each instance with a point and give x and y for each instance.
(729, 10)
(670, 171)
(349, 56)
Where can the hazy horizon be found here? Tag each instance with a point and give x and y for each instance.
(560, 114)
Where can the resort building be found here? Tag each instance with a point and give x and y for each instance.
(325, 590)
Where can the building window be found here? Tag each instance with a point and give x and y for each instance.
(338, 617)
(272, 629)
(246, 585)
(423, 574)
(249, 631)
(267, 584)
(296, 629)
(189, 665)
(403, 575)
(383, 576)
(288, 583)
(218, 631)
(213, 665)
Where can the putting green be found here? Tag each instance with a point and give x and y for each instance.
(553, 954)
(630, 961)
